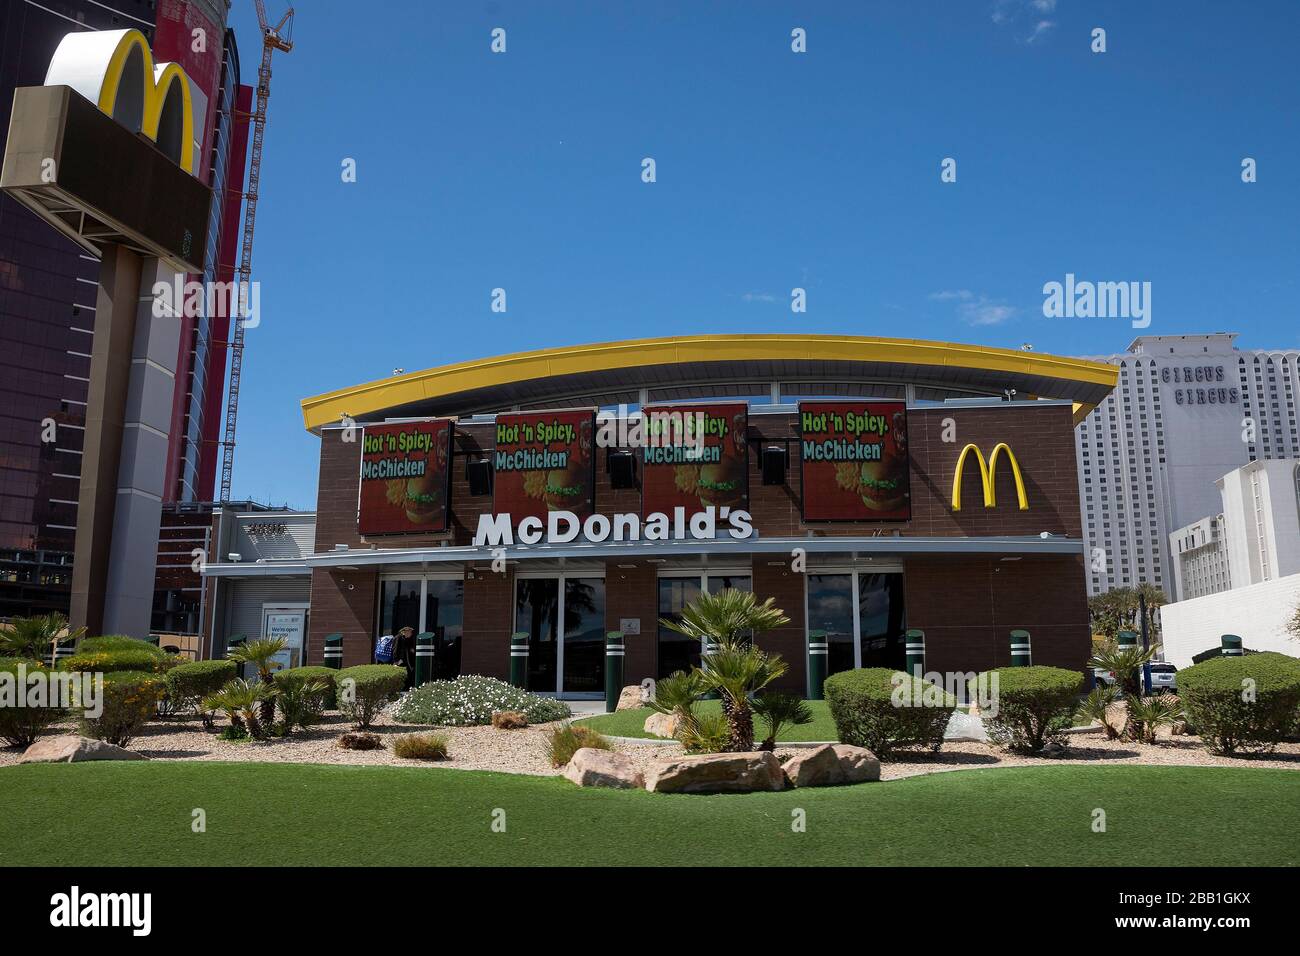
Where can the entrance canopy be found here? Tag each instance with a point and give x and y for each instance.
(722, 552)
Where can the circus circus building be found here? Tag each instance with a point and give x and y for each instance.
(874, 488)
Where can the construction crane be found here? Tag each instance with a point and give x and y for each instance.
(278, 37)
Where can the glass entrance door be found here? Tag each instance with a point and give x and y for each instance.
(863, 616)
(435, 605)
(575, 665)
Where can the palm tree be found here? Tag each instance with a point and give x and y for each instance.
(728, 617)
(260, 653)
(724, 623)
(244, 702)
(1096, 706)
(33, 637)
(1126, 664)
(677, 695)
(735, 671)
(777, 710)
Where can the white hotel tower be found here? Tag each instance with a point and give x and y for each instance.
(1187, 410)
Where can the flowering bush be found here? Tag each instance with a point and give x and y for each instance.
(470, 701)
(130, 700)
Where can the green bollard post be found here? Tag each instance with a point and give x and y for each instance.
(914, 648)
(334, 651)
(1231, 646)
(613, 670)
(423, 658)
(519, 659)
(1020, 649)
(818, 654)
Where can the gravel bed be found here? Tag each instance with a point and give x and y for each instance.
(523, 751)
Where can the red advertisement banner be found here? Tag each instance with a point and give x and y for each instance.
(854, 461)
(405, 477)
(695, 456)
(544, 462)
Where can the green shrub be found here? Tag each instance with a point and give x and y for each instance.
(1242, 704)
(421, 747)
(291, 674)
(118, 642)
(127, 659)
(1032, 706)
(21, 725)
(361, 742)
(300, 700)
(707, 732)
(886, 710)
(469, 702)
(189, 683)
(365, 689)
(129, 700)
(566, 740)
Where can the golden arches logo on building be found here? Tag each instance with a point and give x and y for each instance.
(988, 475)
(115, 70)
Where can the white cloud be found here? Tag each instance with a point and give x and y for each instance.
(974, 309)
(1041, 28)
(1021, 11)
(757, 297)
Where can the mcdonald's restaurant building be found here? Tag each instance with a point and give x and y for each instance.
(868, 485)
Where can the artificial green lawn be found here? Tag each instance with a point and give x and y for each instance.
(631, 723)
(140, 813)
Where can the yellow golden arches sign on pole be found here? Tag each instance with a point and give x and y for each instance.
(988, 475)
(115, 70)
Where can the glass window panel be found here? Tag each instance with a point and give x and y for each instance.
(536, 609)
(830, 609)
(584, 635)
(444, 616)
(882, 621)
(399, 606)
(677, 652)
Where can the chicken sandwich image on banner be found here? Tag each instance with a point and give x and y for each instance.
(544, 463)
(405, 477)
(855, 463)
(681, 469)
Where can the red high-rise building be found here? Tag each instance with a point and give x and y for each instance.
(47, 304)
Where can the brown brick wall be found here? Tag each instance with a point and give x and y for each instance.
(787, 588)
(968, 606)
(489, 622)
(1041, 436)
(633, 592)
(342, 602)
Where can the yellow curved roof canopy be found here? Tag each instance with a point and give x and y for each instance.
(607, 372)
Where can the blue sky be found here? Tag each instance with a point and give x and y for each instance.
(775, 170)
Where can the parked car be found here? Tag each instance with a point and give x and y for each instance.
(1162, 677)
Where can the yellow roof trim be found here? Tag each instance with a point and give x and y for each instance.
(501, 370)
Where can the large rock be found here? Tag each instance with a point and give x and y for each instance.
(630, 698)
(814, 767)
(857, 764)
(832, 764)
(716, 773)
(71, 748)
(661, 725)
(602, 768)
